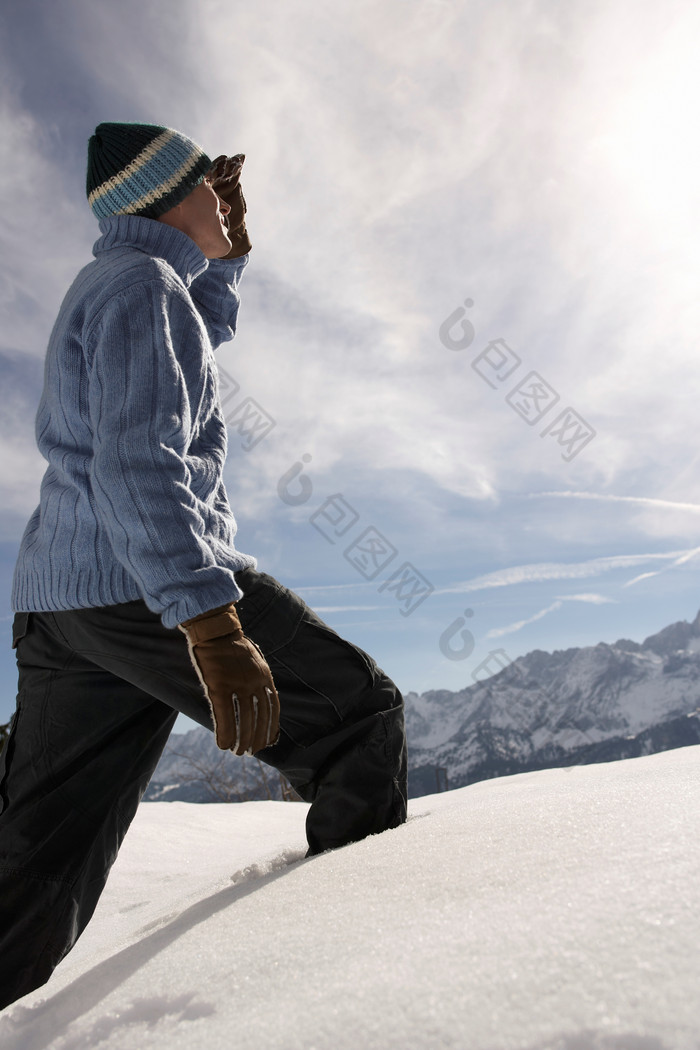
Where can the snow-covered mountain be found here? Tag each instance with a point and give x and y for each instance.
(570, 707)
(193, 769)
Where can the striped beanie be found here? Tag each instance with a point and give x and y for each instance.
(141, 169)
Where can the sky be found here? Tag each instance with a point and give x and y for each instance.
(505, 925)
(462, 397)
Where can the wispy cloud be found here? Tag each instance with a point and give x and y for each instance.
(593, 599)
(345, 608)
(320, 588)
(498, 632)
(544, 571)
(682, 559)
(638, 579)
(641, 501)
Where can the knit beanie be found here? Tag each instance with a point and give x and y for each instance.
(141, 169)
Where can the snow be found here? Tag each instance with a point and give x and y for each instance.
(556, 910)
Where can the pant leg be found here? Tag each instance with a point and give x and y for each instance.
(342, 739)
(84, 743)
(99, 693)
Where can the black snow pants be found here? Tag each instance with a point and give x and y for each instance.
(99, 692)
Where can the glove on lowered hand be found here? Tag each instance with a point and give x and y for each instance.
(237, 681)
(225, 177)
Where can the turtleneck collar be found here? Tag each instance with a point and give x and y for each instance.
(156, 239)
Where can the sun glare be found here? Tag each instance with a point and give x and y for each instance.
(652, 139)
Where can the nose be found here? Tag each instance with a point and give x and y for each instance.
(224, 208)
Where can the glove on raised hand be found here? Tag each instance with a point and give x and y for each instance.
(237, 681)
(225, 176)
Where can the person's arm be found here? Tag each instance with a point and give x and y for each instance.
(216, 295)
(216, 290)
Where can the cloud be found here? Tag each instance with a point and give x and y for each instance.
(682, 559)
(305, 588)
(641, 501)
(545, 571)
(386, 229)
(592, 599)
(40, 253)
(21, 465)
(498, 632)
(638, 579)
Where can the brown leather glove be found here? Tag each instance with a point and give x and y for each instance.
(225, 177)
(237, 681)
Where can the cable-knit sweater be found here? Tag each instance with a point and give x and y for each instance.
(132, 503)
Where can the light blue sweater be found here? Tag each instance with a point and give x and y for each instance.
(132, 502)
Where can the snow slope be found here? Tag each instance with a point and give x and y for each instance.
(555, 909)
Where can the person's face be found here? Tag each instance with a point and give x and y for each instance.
(202, 216)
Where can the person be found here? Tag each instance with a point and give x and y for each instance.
(132, 603)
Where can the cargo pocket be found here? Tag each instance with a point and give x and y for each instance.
(20, 626)
(324, 683)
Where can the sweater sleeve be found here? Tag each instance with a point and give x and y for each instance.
(140, 413)
(216, 294)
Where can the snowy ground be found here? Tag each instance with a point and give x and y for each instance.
(557, 909)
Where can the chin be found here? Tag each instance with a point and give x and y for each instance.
(218, 250)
